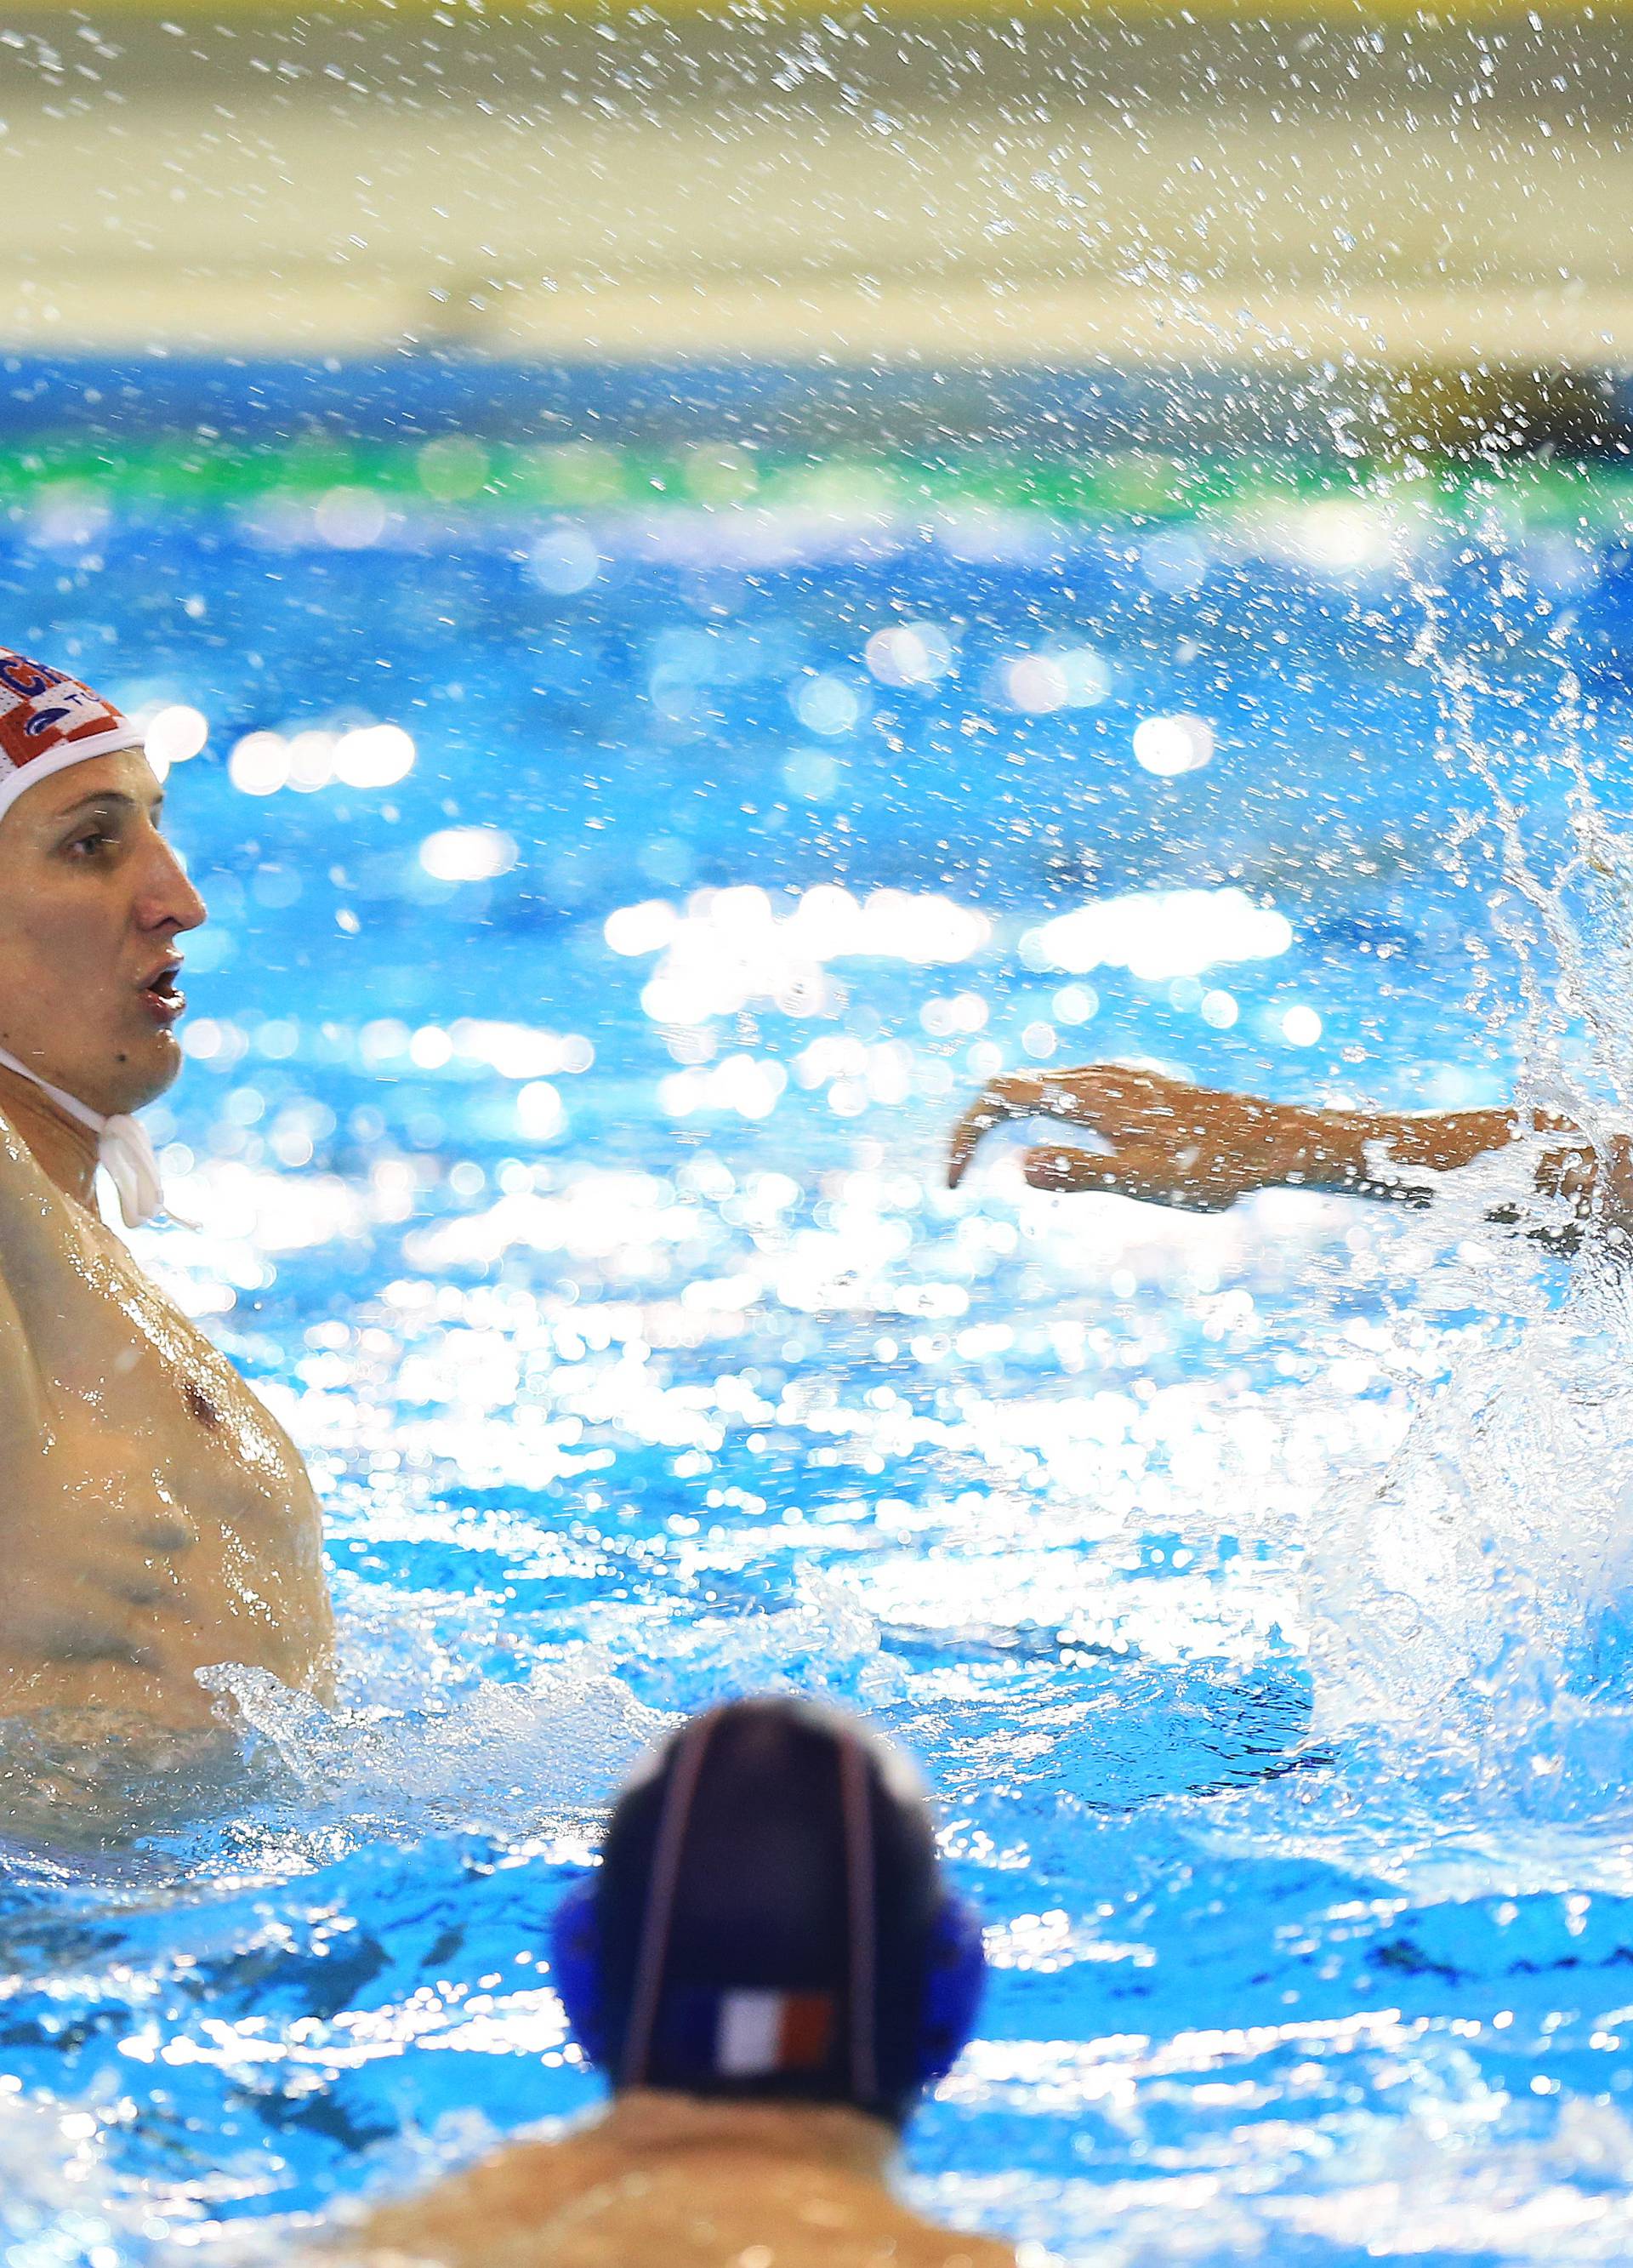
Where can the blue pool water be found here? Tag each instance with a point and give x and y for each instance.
(560, 1152)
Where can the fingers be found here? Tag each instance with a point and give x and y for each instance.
(1016, 1096)
(1058, 1165)
(1054, 1166)
(1148, 1171)
(1100, 1097)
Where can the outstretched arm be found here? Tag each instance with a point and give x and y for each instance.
(1201, 1148)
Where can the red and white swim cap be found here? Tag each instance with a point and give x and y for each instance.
(49, 721)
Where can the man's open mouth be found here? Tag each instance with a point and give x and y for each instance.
(164, 996)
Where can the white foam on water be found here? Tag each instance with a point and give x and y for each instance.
(426, 1740)
(453, 1751)
(506, 1757)
(1444, 2182)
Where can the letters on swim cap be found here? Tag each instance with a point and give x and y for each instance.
(49, 721)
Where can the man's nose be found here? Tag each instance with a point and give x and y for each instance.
(168, 899)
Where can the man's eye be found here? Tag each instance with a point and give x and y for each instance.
(91, 845)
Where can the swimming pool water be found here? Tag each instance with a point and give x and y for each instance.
(560, 1152)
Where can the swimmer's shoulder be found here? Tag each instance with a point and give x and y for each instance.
(32, 1207)
(956, 2250)
(920, 2243)
(468, 2217)
(53, 1250)
(18, 1166)
(25, 1234)
(499, 2212)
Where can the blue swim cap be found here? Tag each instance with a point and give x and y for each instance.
(769, 1920)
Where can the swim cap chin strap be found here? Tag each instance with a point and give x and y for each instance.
(124, 1149)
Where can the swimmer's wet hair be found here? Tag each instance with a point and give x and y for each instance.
(764, 1907)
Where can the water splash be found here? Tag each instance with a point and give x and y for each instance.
(1469, 1608)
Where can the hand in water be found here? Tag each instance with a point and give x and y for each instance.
(1169, 1143)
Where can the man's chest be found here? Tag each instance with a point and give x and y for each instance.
(155, 1411)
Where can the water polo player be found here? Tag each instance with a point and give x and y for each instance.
(154, 1517)
(769, 1970)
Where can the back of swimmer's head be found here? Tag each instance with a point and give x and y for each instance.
(769, 1920)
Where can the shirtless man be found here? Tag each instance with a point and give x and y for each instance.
(154, 1517)
(1201, 1149)
(771, 1971)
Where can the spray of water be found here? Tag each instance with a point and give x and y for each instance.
(1469, 1608)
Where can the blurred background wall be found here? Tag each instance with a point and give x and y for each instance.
(1022, 186)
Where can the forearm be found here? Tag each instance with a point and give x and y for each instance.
(1384, 1154)
(1167, 1142)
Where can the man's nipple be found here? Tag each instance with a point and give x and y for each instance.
(202, 1404)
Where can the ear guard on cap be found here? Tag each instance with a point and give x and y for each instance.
(955, 1970)
(955, 1977)
(576, 1969)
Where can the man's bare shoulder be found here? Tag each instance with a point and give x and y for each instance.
(567, 2199)
(31, 1208)
(473, 2215)
(948, 2248)
(22, 1212)
(16, 1160)
(916, 2243)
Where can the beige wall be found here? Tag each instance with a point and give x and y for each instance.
(959, 189)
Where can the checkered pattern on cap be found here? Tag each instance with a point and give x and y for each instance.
(49, 721)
